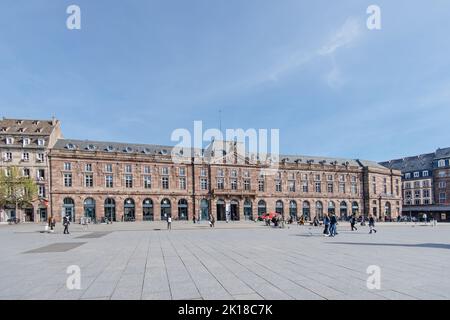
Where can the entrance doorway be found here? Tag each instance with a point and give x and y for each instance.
(166, 209)
(234, 210)
(221, 216)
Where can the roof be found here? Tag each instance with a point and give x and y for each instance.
(442, 153)
(88, 145)
(27, 126)
(410, 164)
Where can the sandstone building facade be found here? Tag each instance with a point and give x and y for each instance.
(130, 182)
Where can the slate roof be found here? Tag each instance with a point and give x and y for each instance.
(26, 127)
(411, 164)
(442, 153)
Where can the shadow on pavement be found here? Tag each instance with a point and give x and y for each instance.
(418, 245)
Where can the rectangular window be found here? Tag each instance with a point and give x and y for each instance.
(88, 180)
(234, 173)
(41, 191)
(305, 186)
(318, 187)
(304, 176)
(67, 166)
(278, 187)
(317, 177)
(204, 184)
(108, 168)
(416, 184)
(247, 184)
(441, 163)
(67, 180)
(26, 172)
(9, 140)
(353, 179)
(416, 174)
(41, 142)
(330, 177)
(397, 190)
(40, 157)
(246, 174)
(182, 172)
(408, 176)
(442, 197)
(88, 167)
(220, 184)
(425, 173)
(426, 193)
(109, 181)
(7, 156)
(442, 184)
(25, 156)
(41, 174)
(385, 189)
(147, 182)
(342, 187)
(354, 188)
(147, 170)
(220, 173)
(417, 194)
(233, 184)
(128, 181)
(26, 141)
(342, 178)
(441, 174)
(128, 168)
(165, 182)
(374, 188)
(261, 185)
(291, 186)
(182, 183)
(417, 202)
(203, 172)
(165, 171)
(330, 188)
(426, 201)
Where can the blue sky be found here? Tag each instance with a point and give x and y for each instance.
(137, 70)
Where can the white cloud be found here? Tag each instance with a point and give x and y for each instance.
(346, 34)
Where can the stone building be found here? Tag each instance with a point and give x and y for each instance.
(425, 184)
(25, 144)
(127, 182)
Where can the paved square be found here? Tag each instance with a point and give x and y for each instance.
(242, 260)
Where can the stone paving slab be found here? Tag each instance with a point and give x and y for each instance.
(233, 261)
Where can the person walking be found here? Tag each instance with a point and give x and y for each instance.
(66, 223)
(169, 223)
(211, 221)
(316, 221)
(326, 223)
(353, 223)
(372, 224)
(193, 219)
(333, 223)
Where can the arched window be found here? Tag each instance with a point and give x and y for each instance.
(220, 210)
(204, 210)
(279, 208)
(89, 208)
(343, 210)
(147, 210)
(319, 210)
(355, 208)
(387, 210)
(293, 210)
(129, 210)
(166, 209)
(234, 210)
(306, 210)
(262, 209)
(248, 215)
(331, 208)
(183, 209)
(110, 209)
(69, 208)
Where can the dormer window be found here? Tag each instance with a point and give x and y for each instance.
(163, 152)
(41, 142)
(109, 148)
(39, 130)
(147, 150)
(9, 140)
(19, 122)
(36, 122)
(70, 146)
(26, 141)
(441, 163)
(4, 129)
(21, 129)
(25, 156)
(128, 149)
(91, 147)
